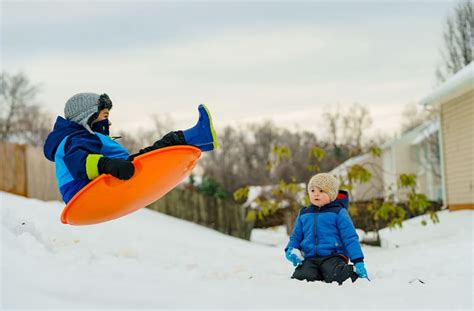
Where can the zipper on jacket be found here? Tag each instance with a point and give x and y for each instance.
(317, 209)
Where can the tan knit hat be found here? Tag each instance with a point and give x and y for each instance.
(325, 182)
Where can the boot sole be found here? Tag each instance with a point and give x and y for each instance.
(213, 132)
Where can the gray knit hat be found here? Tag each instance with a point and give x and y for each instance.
(325, 182)
(81, 107)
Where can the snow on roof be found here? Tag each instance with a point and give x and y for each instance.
(421, 132)
(415, 136)
(342, 168)
(254, 193)
(451, 88)
(257, 191)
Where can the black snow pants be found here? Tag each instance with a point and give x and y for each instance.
(170, 139)
(329, 269)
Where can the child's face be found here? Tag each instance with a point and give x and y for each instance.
(318, 197)
(103, 114)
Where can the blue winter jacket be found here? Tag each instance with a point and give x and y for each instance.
(326, 231)
(76, 153)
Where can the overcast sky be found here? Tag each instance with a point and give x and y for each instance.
(288, 61)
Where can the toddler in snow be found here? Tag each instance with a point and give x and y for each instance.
(324, 238)
(81, 147)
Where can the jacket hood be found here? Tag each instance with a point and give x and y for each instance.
(61, 129)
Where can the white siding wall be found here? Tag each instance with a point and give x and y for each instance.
(401, 158)
(365, 191)
(374, 188)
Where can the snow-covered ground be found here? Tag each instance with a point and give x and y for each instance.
(150, 260)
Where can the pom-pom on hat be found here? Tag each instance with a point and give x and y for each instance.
(325, 182)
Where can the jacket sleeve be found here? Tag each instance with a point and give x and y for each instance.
(81, 157)
(297, 235)
(349, 236)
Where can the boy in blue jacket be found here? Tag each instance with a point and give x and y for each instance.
(82, 149)
(324, 238)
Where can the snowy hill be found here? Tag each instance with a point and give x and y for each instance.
(152, 260)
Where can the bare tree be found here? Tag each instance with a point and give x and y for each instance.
(33, 126)
(163, 124)
(141, 138)
(246, 157)
(355, 122)
(242, 156)
(378, 139)
(458, 35)
(332, 122)
(413, 115)
(15, 92)
(225, 164)
(347, 130)
(297, 166)
(132, 142)
(21, 119)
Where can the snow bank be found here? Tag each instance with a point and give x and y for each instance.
(152, 260)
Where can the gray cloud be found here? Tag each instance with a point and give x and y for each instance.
(247, 60)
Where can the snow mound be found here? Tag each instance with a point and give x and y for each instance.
(150, 260)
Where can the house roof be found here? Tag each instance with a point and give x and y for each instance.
(451, 88)
(416, 135)
(342, 168)
(413, 137)
(425, 131)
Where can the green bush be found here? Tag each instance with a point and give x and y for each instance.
(211, 188)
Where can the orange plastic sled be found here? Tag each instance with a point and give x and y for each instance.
(106, 197)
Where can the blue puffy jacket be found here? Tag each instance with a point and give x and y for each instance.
(326, 231)
(72, 148)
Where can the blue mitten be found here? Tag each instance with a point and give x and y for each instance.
(294, 255)
(360, 270)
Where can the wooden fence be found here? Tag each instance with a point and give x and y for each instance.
(25, 171)
(224, 216)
